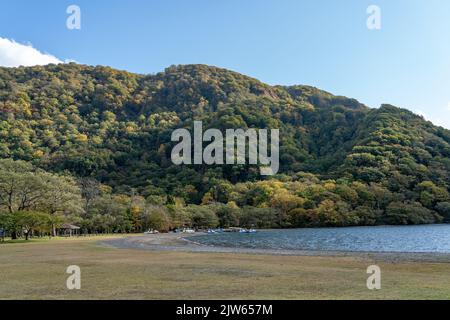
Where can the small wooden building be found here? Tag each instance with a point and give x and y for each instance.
(68, 230)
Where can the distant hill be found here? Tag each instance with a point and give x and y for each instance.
(115, 126)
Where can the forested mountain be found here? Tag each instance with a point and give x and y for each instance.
(341, 163)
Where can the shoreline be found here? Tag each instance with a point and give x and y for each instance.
(182, 243)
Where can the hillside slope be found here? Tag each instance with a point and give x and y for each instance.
(115, 126)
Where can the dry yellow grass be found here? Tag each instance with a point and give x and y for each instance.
(37, 270)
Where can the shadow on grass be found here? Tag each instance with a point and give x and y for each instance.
(33, 240)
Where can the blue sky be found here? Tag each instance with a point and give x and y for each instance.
(324, 43)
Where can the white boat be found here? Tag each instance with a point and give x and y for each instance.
(247, 231)
(151, 231)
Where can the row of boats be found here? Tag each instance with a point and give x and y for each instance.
(233, 229)
(218, 230)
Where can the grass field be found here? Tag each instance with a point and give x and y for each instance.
(37, 270)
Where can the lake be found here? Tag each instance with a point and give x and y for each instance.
(422, 238)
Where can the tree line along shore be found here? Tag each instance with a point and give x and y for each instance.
(34, 202)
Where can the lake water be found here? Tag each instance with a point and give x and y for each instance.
(423, 238)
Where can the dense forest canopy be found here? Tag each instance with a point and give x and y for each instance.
(341, 163)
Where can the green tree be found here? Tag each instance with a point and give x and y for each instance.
(409, 213)
(29, 221)
(157, 218)
(202, 216)
(444, 209)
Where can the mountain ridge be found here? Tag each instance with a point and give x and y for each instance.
(115, 126)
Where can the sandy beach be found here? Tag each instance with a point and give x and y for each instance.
(183, 242)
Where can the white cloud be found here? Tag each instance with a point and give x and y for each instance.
(13, 54)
